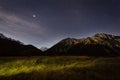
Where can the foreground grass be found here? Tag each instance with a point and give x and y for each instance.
(59, 68)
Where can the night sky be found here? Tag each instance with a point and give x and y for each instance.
(45, 22)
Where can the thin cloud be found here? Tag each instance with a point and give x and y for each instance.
(15, 24)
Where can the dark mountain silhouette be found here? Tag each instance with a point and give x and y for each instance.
(11, 47)
(62, 47)
(98, 45)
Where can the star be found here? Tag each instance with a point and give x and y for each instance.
(34, 16)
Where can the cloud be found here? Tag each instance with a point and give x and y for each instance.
(15, 25)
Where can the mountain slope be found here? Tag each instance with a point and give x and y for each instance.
(98, 45)
(10, 47)
(62, 47)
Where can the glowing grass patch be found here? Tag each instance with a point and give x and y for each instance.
(71, 68)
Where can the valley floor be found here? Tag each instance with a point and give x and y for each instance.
(59, 68)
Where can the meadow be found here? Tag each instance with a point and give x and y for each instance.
(60, 68)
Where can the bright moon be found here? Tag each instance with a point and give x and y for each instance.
(34, 16)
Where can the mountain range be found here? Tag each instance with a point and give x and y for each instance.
(11, 47)
(100, 44)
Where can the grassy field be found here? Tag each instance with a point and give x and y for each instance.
(59, 68)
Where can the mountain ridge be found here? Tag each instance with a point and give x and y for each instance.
(11, 47)
(101, 43)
